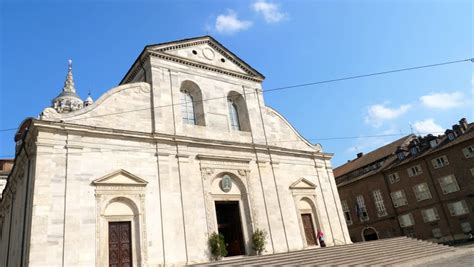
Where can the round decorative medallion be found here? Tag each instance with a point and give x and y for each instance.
(226, 183)
(208, 53)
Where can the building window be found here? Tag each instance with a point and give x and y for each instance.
(347, 212)
(233, 115)
(393, 177)
(414, 150)
(187, 108)
(448, 184)
(378, 199)
(361, 210)
(451, 136)
(399, 198)
(414, 170)
(436, 232)
(466, 227)
(434, 143)
(401, 156)
(468, 151)
(440, 162)
(406, 220)
(422, 191)
(458, 208)
(430, 215)
(472, 171)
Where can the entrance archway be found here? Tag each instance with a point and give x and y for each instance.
(231, 212)
(309, 221)
(369, 234)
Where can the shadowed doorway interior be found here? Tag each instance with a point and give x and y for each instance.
(370, 234)
(230, 226)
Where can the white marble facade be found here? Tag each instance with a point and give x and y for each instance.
(130, 156)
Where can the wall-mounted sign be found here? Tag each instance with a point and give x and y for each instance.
(226, 183)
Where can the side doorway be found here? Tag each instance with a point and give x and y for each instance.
(309, 229)
(120, 244)
(370, 234)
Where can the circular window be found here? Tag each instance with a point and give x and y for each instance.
(222, 60)
(195, 52)
(208, 53)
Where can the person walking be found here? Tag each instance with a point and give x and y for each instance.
(320, 237)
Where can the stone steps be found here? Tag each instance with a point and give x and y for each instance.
(386, 252)
(307, 252)
(355, 256)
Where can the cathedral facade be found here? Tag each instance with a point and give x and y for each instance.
(184, 146)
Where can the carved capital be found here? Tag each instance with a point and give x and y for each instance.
(207, 172)
(243, 172)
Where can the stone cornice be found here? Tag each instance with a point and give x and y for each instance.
(209, 157)
(159, 51)
(212, 43)
(203, 66)
(185, 140)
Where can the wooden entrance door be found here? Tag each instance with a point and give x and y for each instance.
(230, 226)
(309, 229)
(120, 244)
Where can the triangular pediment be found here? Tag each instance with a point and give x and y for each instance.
(120, 177)
(207, 51)
(302, 183)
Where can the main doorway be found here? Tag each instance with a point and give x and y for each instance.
(120, 244)
(370, 234)
(309, 229)
(230, 226)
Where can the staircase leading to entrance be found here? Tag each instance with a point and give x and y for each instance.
(401, 251)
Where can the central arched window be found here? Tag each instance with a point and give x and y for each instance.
(233, 115)
(187, 108)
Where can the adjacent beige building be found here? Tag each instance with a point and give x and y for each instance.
(183, 147)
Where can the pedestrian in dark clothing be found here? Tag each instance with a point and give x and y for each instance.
(320, 237)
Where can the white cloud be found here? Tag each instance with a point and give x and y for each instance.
(443, 100)
(229, 23)
(427, 126)
(270, 11)
(379, 113)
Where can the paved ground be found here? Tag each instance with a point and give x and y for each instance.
(461, 261)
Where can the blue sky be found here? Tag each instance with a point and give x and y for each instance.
(290, 42)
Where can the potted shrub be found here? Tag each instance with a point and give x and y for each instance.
(259, 240)
(217, 245)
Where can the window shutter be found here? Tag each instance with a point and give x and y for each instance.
(446, 161)
(465, 209)
(435, 163)
(451, 210)
(466, 153)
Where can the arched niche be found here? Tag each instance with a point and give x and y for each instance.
(236, 98)
(193, 89)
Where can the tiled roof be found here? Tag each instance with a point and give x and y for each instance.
(374, 156)
(443, 143)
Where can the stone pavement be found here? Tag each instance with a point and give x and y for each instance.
(456, 261)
